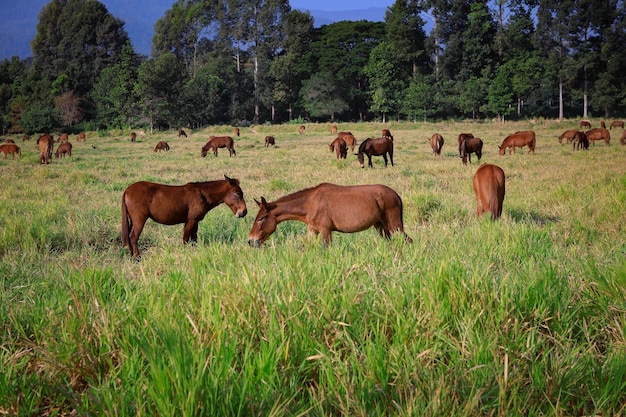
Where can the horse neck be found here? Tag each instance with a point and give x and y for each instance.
(292, 207)
(214, 191)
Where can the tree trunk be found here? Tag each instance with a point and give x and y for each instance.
(585, 98)
(560, 98)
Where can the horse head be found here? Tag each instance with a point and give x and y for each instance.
(264, 224)
(234, 198)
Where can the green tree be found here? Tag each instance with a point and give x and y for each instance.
(204, 99)
(319, 95)
(418, 102)
(77, 38)
(472, 95)
(385, 80)
(500, 94)
(404, 28)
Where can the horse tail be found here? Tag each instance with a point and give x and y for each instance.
(496, 196)
(125, 223)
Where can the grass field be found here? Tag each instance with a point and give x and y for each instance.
(523, 316)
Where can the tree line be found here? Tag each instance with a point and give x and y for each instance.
(246, 62)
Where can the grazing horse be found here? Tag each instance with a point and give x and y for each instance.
(333, 130)
(387, 134)
(339, 147)
(580, 141)
(328, 208)
(45, 144)
(349, 138)
(436, 143)
(462, 137)
(599, 134)
(175, 204)
(216, 142)
(64, 137)
(617, 123)
(519, 139)
(10, 148)
(269, 140)
(181, 132)
(584, 124)
(470, 146)
(25, 138)
(623, 139)
(568, 135)
(237, 131)
(63, 149)
(81, 137)
(133, 137)
(489, 189)
(162, 146)
(375, 147)
(301, 129)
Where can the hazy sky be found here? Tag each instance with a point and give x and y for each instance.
(334, 5)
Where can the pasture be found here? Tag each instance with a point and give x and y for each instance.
(522, 316)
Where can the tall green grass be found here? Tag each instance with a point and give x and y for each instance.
(524, 316)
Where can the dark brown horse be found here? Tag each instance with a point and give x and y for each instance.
(10, 148)
(568, 135)
(45, 144)
(462, 137)
(375, 147)
(329, 208)
(162, 146)
(489, 189)
(63, 149)
(519, 140)
(133, 137)
(580, 141)
(181, 132)
(470, 146)
(617, 123)
(269, 140)
(216, 142)
(599, 134)
(175, 204)
(436, 143)
(386, 133)
(349, 138)
(339, 147)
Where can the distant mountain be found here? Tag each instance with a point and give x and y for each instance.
(18, 21)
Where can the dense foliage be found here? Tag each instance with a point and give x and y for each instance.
(241, 62)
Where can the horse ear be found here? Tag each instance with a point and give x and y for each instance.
(226, 177)
(257, 202)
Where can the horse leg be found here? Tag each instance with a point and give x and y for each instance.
(369, 158)
(190, 231)
(383, 231)
(385, 158)
(138, 225)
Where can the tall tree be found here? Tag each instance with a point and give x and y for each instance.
(385, 80)
(405, 32)
(77, 38)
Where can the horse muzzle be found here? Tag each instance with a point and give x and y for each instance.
(241, 213)
(255, 243)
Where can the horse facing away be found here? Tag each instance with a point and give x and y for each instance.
(436, 143)
(339, 147)
(375, 147)
(175, 204)
(470, 146)
(326, 208)
(489, 189)
(519, 139)
(45, 144)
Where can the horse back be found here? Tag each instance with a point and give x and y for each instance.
(489, 187)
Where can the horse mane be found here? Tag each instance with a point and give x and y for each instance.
(299, 194)
(363, 144)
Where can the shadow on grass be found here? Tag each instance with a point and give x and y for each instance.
(521, 216)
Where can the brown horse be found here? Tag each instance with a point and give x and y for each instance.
(81, 137)
(329, 208)
(470, 146)
(580, 141)
(339, 147)
(436, 143)
(237, 132)
(387, 134)
(584, 124)
(375, 147)
(349, 138)
(489, 189)
(175, 204)
(45, 144)
(162, 146)
(63, 137)
(10, 148)
(333, 130)
(63, 149)
(617, 123)
(568, 135)
(269, 140)
(216, 142)
(519, 139)
(133, 137)
(599, 134)
(301, 129)
(462, 137)
(181, 132)
(623, 139)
